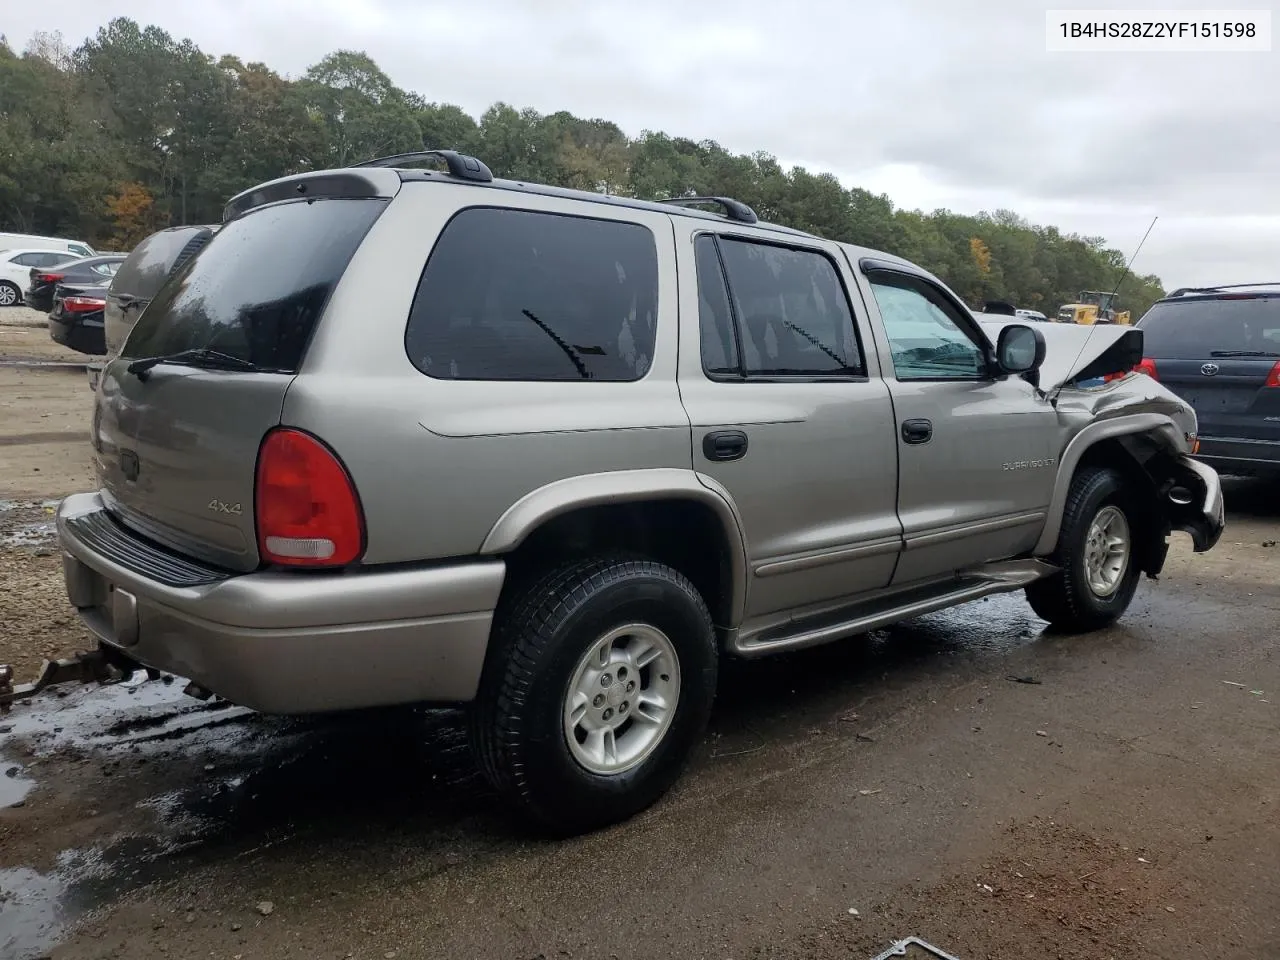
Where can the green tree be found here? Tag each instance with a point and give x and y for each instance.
(134, 129)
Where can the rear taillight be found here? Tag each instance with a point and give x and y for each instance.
(307, 510)
(1147, 366)
(1273, 378)
(83, 304)
(48, 277)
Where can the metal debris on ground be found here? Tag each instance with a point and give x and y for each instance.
(1022, 679)
(914, 947)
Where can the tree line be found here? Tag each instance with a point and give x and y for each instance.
(134, 130)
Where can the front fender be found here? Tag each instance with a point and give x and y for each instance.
(1128, 425)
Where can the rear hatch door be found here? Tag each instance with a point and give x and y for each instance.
(1219, 353)
(177, 441)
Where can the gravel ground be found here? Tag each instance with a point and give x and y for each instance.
(1122, 805)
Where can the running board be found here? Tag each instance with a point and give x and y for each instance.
(892, 607)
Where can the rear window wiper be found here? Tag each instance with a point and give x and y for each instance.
(196, 357)
(1243, 353)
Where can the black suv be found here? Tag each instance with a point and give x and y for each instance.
(1219, 349)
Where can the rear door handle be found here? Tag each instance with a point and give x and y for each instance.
(917, 431)
(724, 445)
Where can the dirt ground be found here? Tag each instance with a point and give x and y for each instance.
(44, 429)
(968, 778)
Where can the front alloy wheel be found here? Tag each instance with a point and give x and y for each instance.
(1098, 575)
(1107, 549)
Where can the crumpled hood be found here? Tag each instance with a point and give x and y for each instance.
(1069, 347)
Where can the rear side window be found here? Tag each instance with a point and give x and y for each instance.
(1197, 329)
(258, 289)
(520, 295)
(784, 312)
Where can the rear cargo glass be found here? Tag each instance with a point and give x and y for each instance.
(259, 286)
(1194, 329)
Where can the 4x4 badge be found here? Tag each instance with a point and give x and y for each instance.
(1209, 369)
(217, 506)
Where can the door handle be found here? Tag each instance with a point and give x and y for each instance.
(917, 431)
(724, 445)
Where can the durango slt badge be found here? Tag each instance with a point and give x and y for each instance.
(1029, 464)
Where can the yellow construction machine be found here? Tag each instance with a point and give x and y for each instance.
(1094, 306)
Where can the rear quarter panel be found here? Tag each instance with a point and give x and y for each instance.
(436, 462)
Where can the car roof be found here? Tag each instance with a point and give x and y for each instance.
(383, 177)
(1230, 291)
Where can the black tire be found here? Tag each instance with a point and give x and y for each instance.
(7, 290)
(541, 635)
(1066, 599)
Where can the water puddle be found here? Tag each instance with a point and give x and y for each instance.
(138, 711)
(31, 918)
(14, 787)
(38, 909)
(27, 523)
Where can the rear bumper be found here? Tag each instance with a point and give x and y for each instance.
(81, 337)
(288, 642)
(1238, 455)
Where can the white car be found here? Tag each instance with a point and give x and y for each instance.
(15, 270)
(31, 241)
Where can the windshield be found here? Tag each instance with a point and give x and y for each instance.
(1197, 329)
(256, 291)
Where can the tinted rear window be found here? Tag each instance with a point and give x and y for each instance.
(1194, 329)
(518, 295)
(258, 288)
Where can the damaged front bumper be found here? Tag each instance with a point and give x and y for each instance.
(1196, 505)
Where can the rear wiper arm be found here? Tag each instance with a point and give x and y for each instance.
(199, 356)
(1243, 353)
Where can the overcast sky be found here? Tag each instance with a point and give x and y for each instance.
(938, 103)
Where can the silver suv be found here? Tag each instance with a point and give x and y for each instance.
(403, 435)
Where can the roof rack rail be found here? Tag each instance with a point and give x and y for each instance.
(734, 209)
(1183, 291)
(460, 165)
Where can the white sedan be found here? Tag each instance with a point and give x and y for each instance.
(15, 270)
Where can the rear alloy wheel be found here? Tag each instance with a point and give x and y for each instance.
(621, 700)
(1096, 554)
(9, 294)
(598, 684)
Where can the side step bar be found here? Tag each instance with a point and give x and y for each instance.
(891, 608)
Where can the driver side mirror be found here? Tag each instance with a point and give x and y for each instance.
(1020, 349)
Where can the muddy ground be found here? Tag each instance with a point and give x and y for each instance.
(1124, 804)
